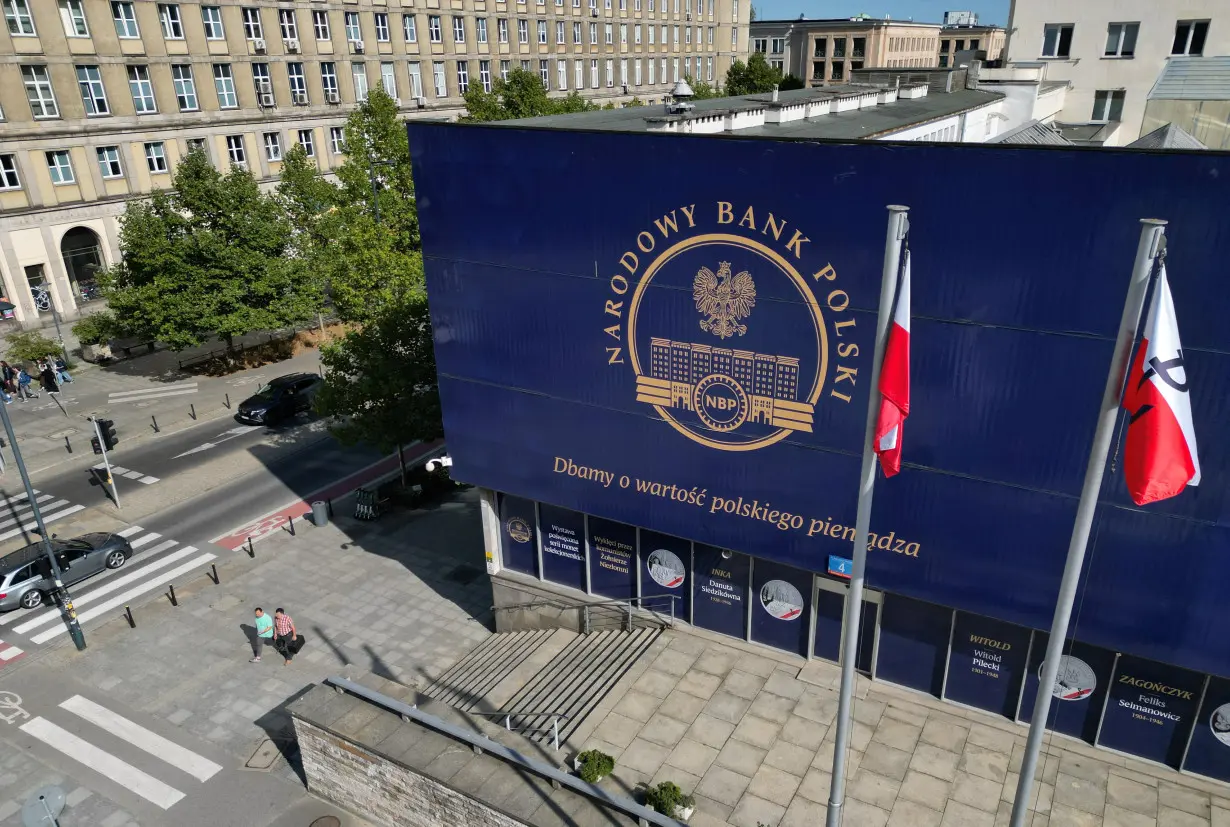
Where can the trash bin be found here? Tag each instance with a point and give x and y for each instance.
(320, 513)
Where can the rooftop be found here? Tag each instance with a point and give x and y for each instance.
(821, 22)
(1169, 136)
(834, 112)
(1193, 78)
(1032, 132)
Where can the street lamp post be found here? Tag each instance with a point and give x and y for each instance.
(59, 593)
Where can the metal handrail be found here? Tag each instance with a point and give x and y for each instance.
(640, 812)
(625, 608)
(579, 603)
(507, 714)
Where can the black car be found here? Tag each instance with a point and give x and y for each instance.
(283, 398)
(25, 574)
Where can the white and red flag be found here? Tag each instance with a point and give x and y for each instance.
(1159, 459)
(895, 380)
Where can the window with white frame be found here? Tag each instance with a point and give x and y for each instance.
(504, 66)
(17, 15)
(651, 72)
(665, 35)
(328, 79)
(542, 32)
(636, 5)
(544, 73)
(308, 142)
(60, 166)
(273, 146)
(125, 20)
(93, 95)
(1189, 37)
(185, 87)
(38, 92)
(636, 34)
(559, 32)
(687, 35)
(156, 156)
(593, 34)
(607, 4)
(287, 25)
(142, 90)
(382, 27)
(501, 26)
(578, 74)
(576, 33)
(73, 16)
(260, 77)
(484, 74)
(610, 71)
(252, 29)
(623, 5)
(388, 82)
(437, 72)
(676, 41)
(1121, 39)
(709, 68)
(1057, 40)
(433, 29)
(358, 71)
(211, 17)
(109, 162)
(172, 24)
(354, 32)
(480, 29)
(196, 145)
(320, 25)
(623, 71)
(409, 28)
(711, 28)
(459, 29)
(523, 30)
(416, 80)
(609, 32)
(561, 74)
(593, 73)
(636, 72)
(1108, 105)
(652, 30)
(224, 82)
(235, 150)
(298, 83)
(623, 33)
(463, 76)
(662, 69)
(337, 138)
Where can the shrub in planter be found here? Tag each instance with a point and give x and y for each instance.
(669, 800)
(594, 765)
(96, 328)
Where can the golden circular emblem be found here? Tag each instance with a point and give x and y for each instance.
(519, 530)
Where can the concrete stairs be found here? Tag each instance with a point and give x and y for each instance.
(547, 671)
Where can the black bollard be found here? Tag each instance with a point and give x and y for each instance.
(228, 401)
(192, 410)
(291, 520)
(154, 419)
(214, 576)
(174, 602)
(128, 614)
(251, 552)
(68, 445)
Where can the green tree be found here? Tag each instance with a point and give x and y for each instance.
(702, 90)
(29, 346)
(521, 96)
(791, 82)
(752, 78)
(306, 196)
(213, 256)
(753, 16)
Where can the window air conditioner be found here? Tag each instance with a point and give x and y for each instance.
(332, 97)
(301, 98)
(356, 47)
(292, 45)
(593, 12)
(421, 102)
(267, 99)
(688, 17)
(258, 46)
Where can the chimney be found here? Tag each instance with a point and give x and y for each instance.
(971, 74)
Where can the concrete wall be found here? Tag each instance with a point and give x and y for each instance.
(554, 613)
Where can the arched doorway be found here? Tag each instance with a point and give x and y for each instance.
(81, 250)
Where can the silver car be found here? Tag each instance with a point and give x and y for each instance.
(25, 575)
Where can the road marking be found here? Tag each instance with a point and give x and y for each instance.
(133, 475)
(139, 394)
(47, 518)
(9, 652)
(25, 512)
(115, 469)
(148, 538)
(220, 438)
(108, 587)
(131, 530)
(121, 772)
(120, 600)
(198, 766)
(148, 480)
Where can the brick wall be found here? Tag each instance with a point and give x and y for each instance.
(383, 791)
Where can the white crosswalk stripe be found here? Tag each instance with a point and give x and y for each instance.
(199, 767)
(47, 518)
(128, 473)
(143, 394)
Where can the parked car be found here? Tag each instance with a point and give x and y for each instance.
(25, 574)
(283, 398)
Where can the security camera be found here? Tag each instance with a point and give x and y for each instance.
(438, 463)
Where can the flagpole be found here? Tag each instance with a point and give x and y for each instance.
(898, 225)
(1152, 233)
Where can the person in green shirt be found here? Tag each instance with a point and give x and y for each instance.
(264, 634)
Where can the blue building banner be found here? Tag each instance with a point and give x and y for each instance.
(612, 559)
(719, 592)
(781, 606)
(563, 552)
(1080, 689)
(1151, 710)
(666, 566)
(913, 643)
(1209, 753)
(688, 352)
(986, 663)
(520, 539)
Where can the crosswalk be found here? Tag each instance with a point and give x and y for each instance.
(119, 471)
(155, 563)
(91, 734)
(17, 514)
(157, 392)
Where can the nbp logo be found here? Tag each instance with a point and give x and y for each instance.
(728, 340)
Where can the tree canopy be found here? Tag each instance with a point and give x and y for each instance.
(752, 78)
(790, 81)
(212, 256)
(521, 96)
(702, 90)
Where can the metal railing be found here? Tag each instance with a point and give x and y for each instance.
(642, 814)
(507, 715)
(657, 610)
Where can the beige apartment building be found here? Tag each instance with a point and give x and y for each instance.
(956, 39)
(99, 99)
(825, 52)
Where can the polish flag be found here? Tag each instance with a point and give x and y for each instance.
(895, 381)
(1159, 459)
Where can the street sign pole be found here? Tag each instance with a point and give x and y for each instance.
(106, 462)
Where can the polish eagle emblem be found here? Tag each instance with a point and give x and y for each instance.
(724, 299)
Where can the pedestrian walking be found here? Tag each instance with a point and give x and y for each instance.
(61, 369)
(264, 634)
(23, 385)
(286, 638)
(8, 377)
(48, 376)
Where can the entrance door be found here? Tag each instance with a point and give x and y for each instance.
(830, 611)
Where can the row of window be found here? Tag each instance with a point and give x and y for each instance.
(911, 44)
(1189, 39)
(60, 166)
(837, 69)
(72, 12)
(974, 44)
(820, 48)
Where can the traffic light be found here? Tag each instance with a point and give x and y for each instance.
(107, 428)
(94, 444)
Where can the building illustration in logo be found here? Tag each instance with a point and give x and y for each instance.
(724, 387)
(519, 530)
(1076, 679)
